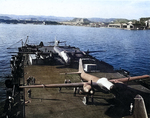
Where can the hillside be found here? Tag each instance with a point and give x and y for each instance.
(60, 19)
(106, 20)
(36, 18)
(5, 17)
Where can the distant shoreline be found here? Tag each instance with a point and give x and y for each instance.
(80, 22)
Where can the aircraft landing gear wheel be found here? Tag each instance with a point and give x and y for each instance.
(85, 100)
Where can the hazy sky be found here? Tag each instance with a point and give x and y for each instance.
(131, 9)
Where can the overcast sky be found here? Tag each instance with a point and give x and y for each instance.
(130, 9)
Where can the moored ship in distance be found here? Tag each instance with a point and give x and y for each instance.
(102, 88)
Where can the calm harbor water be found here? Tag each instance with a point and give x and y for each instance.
(124, 49)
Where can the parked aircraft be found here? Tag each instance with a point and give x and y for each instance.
(67, 53)
(57, 42)
(93, 82)
(115, 86)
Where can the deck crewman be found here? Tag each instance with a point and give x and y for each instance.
(65, 81)
(29, 93)
(69, 81)
(28, 80)
(33, 80)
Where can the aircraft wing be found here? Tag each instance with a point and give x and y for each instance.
(129, 78)
(96, 51)
(23, 52)
(82, 52)
(34, 52)
(54, 85)
(60, 85)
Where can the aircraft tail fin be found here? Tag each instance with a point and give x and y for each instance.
(80, 70)
(80, 66)
(139, 108)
